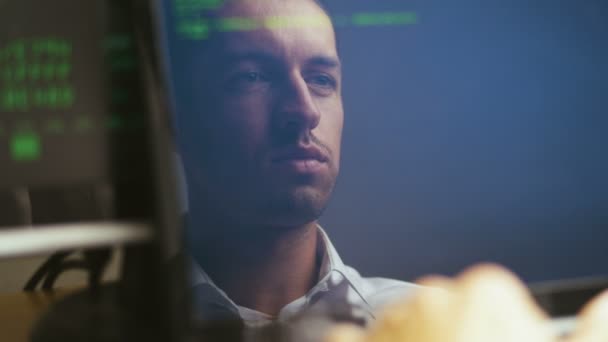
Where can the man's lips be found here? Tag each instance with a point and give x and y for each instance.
(300, 159)
(300, 153)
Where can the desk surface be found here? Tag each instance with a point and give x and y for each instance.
(19, 311)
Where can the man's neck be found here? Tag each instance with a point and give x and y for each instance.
(264, 270)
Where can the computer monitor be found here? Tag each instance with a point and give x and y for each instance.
(73, 139)
(85, 161)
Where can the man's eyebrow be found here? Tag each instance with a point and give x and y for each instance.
(324, 61)
(260, 57)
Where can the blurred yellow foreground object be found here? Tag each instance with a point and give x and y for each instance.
(486, 303)
(593, 321)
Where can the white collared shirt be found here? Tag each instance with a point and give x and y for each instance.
(339, 284)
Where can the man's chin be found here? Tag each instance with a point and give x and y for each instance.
(300, 207)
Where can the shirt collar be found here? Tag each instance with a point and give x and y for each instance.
(330, 260)
(331, 264)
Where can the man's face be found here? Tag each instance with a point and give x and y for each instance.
(269, 130)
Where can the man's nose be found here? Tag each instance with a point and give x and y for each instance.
(297, 106)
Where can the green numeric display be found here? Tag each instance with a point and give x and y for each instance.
(24, 99)
(35, 74)
(25, 146)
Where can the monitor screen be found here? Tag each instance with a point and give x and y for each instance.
(51, 94)
(73, 139)
(472, 132)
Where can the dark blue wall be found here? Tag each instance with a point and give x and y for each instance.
(477, 134)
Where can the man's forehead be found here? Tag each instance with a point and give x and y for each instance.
(261, 8)
(251, 15)
(275, 27)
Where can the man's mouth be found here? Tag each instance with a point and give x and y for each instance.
(301, 159)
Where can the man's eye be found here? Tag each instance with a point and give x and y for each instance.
(252, 76)
(248, 80)
(322, 81)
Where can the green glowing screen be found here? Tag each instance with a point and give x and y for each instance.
(51, 74)
(35, 74)
(25, 146)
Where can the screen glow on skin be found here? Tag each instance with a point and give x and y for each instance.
(266, 91)
(198, 29)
